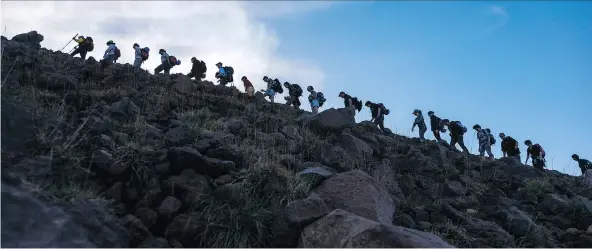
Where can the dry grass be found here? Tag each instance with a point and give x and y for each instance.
(455, 234)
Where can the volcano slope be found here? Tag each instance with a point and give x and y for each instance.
(114, 158)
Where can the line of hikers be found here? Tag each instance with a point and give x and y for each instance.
(509, 146)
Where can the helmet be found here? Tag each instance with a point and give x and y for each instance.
(110, 42)
(135, 45)
(310, 88)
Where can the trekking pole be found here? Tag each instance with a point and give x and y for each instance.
(69, 42)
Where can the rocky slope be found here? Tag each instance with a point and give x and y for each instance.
(114, 158)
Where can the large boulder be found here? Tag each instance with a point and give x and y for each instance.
(344, 229)
(359, 193)
(333, 119)
(355, 146)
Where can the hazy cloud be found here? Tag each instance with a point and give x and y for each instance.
(230, 32)
(502, 18)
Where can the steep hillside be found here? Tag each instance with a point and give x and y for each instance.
(115, 158)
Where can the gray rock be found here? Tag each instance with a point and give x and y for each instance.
(170, 205)
(454, 188)
(306, 211)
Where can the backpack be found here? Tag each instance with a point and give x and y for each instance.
(321, 98)
(491, 136)
(463, 128)
(173, 60)
(144, 53)
(542, 150)
(277, 86)
(297, 90)
(117, 53)
(88, 42)
(229, 73)
(357, 103)
(203, 66)
(383, 109)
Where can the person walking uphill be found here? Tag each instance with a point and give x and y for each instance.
(224, 74)
(249, 88)
(111, 55)
(85, 45)
(270, 88)
(509, 147)
(315, 98)
(294, 94)
(457, 132)
(420, 123)
(436, 125)
(537, 153)
(140, 55)
(165, 63)
(351, 102)
(585, 167)
(484, 141)
(377, 111)
(198, 69)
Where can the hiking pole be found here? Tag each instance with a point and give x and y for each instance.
(69, 42)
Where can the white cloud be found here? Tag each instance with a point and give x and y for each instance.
(212, 31)
(503, 18)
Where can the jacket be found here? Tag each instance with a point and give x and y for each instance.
(455, 129)
(374, 110)
(483, 137)
(196, 69)
(419, 121)
(584, 165)
(435, 122)
(247, 84)
(164, 57)
(221, 72)
(138, 53)
(110, 52)
(509, 146)
(346, 99)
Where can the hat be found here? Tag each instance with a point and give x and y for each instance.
(110, 42)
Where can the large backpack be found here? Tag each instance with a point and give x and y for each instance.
(277, 86)
(204, 68)
(463, 128)
(229, 73)
(88, 42)
(297, 90)
(542, 150)
(383, 109)
(117, 53)
(144, 53)
(357, 103)
(491, 136)
(173, 60)
(321, 98)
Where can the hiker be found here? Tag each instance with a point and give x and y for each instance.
(315, 99)
(270, 90)
(165, 63)
(484, 138)
(436, 125)
(457, 132)
(198, 69)
(224, 74)
(509, 147)
(137, 56)
(420, 123)
(537, 153)
(84, 45)
(294, 94)
(249, 88)
(111, 55)
(585, 167)
(351, 102)
(377, 111)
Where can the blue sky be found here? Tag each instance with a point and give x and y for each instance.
(523, 68)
